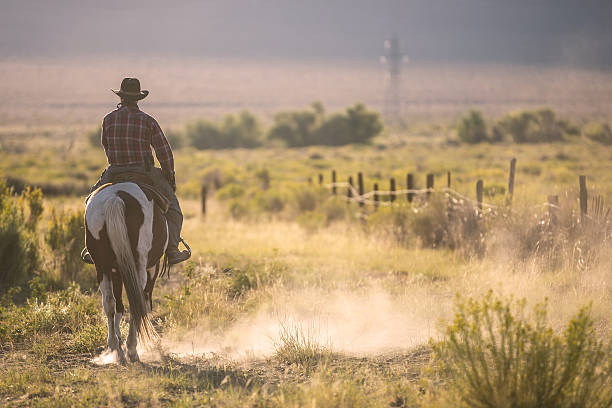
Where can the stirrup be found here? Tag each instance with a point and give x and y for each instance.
(86, 256)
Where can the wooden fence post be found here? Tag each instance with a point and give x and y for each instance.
(320, 179)
(349, 190)
(553, 203)
(430, 184)
(334, 182)
(203, 199)
(511, 180)
(479, 191)
(375, 196)
(410, 186)
(360, 187)
(392, 188)
(449, 203)
(583, 198)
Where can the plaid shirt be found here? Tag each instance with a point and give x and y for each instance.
(127, 137)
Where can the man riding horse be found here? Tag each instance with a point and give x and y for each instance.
(127, 136)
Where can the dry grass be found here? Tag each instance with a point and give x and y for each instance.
(345, 286)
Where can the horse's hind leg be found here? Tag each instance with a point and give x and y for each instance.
(132, 339)
(132, 342)
(108, 302)
(119, 308)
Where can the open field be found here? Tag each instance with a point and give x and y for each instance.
(47, 92)
(358, 305)
(293, 297)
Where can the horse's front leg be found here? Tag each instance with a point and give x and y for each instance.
(113, 341)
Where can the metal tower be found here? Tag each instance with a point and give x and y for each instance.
(392, 103)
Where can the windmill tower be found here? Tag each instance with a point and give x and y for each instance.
(393, 81)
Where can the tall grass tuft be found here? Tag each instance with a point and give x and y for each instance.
(299, 345)
(19, 215)
(65, 237)
(493, 355)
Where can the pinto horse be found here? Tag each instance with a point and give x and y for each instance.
(126, 236)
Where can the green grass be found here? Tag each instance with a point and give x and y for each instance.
(330, 305)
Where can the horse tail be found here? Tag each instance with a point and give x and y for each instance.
(114, 210)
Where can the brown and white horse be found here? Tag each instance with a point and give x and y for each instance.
(126, 237)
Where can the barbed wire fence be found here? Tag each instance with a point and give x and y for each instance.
(418, 199)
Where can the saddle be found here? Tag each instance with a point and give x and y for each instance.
(145, 183)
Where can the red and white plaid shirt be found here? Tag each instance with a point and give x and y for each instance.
(127, 137)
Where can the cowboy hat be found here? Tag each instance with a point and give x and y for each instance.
(130, 89)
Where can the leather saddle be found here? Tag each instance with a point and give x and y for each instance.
(145, 183)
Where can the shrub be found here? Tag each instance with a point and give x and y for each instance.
(241, 130)
(312, 127)
(230, 191)
(269, 201)
(263, 176)
(305, 199)
(531, 126)
(94, 137)
(492, 356)
(204, 135)
(19, 254)
(66, 238)
(297, 128)
(473, 128)
(176, 139)
(598, 132)
(334, 209)
(238, 209)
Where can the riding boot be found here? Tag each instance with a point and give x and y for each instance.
(175, 223)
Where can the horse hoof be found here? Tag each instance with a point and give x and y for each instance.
(134, 357)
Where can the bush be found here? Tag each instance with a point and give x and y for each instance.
(241, 130)
(472, 128)
(598, 132)
(297, 128)
(176, 139)
(66, 238)
(538, 126)
(19, 217)
(269, 201)
(306, 128)
(492, 356)
(94, 137)
(204, 135)
(305, 199)
(230, 191)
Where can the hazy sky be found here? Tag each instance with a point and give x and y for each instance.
(568, 32)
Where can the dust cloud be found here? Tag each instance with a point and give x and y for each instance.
(377, 317)
(356, 322)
